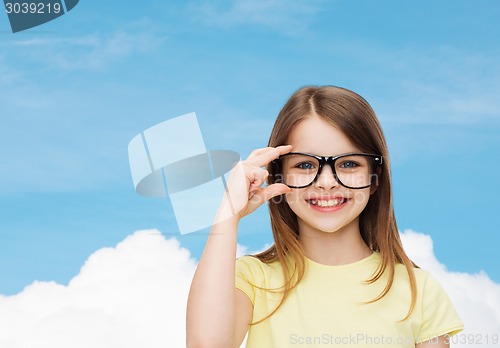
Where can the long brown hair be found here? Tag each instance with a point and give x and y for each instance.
(352, 114)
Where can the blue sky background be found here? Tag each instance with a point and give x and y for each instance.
(75, 91)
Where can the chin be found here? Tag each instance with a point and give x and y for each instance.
(329, 227)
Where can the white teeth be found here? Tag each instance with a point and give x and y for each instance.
(327, 203)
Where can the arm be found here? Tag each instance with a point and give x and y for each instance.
(218, 314)
(439, 342)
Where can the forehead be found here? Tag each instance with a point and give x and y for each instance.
(317, 136)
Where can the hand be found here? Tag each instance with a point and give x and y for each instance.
(245, 193)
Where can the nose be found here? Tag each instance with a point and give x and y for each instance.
(326, 179)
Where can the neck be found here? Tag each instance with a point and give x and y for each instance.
(341, 247)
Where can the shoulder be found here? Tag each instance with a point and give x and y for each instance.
(248, 260)
(429, 291)
(429, 288)
(256, 271)
(422, 276)
(248, 263)
(252, 263)
(427, 282)
(251, 275)
(434, 308)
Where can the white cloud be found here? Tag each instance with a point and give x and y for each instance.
(437, 85)
(93, 51)
(135, 295)
(476, 296)
(287, 16)
(88, 52)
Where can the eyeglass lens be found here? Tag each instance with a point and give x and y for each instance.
(353, 171)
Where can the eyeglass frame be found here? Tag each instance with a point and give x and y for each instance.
(377, 161)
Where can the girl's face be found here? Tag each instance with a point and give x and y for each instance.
(325, 206)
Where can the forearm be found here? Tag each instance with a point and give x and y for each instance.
(210, 309)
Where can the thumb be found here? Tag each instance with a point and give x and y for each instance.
(264, 194)
(273, 190)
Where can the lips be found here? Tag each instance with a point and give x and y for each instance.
(326, 203)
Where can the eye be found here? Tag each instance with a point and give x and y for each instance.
(305, 165)
(349, 164)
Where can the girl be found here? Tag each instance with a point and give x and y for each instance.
(337, 274)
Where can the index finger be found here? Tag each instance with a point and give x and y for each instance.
(268, 154)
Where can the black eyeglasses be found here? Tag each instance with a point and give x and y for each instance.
(352, 170)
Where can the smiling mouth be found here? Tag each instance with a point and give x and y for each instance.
(323, 203)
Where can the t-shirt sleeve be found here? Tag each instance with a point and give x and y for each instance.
(245, 272)
(439, 316)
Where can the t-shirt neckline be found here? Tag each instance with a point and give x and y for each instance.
(373, 256)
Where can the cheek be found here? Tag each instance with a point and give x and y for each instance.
(361, 198)
(294, 199)
(291, 198)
